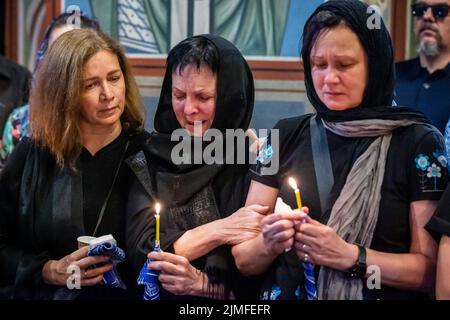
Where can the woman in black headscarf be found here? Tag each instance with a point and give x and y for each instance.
(208, 85)
(370, 174)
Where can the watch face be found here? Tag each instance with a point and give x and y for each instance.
(357, 271)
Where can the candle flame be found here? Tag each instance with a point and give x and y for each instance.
(157, 208)
(293, 183)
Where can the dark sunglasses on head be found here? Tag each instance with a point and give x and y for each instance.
(439, 10)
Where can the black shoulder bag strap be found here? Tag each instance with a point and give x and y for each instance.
(321, 159)
(102, 211)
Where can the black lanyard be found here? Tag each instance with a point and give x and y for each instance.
(102, 211)
(322, 160)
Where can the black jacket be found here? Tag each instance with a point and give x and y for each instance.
(41, 215)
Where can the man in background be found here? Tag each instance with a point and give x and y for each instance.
(424, 82)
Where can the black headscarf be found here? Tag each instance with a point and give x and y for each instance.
(235, 92)
(379, 92)
(234, 108)
(181, 186)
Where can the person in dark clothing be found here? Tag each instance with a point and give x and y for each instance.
(370, 175)
(70, 178)
(208, 87)
(423, 82)
(14, 90)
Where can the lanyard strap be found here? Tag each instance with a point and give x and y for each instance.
(322, 160)
(102, 211)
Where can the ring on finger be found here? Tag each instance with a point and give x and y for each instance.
(305, 257)
(303, 246)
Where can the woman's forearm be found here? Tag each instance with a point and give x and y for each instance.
(240, 226)
(253, 257)
(411, 271)
(199, 241)
(443, 274)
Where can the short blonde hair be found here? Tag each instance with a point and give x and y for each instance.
(54, 102)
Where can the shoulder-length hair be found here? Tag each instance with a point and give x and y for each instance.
(54, 103)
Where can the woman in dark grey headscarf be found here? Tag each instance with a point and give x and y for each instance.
(209, 82)
(369, 174)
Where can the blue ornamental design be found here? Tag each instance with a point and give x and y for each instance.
(441, 157)
(430, 170)
(275, 293)
(265, 154)
(264, 296)
(422, 162)
(447, 141)
(298, 292)
(434, 172)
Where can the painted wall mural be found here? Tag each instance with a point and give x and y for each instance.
(149, 28)
(257, 27)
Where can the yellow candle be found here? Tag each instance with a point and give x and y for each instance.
(157, 217)
(294, 186)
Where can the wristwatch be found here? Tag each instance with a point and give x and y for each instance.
(359, 269)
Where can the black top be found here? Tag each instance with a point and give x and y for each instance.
(43, 210)
(415, 170)
(416, 87)
(97, 175)
(14, 88)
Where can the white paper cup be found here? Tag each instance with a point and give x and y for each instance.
(84, 241)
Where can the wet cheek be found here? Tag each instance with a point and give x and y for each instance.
(317, 78)
(178, 110)
(212, 113)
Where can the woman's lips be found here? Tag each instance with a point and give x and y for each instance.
(196, 122)
(107, 111)
(334, 94)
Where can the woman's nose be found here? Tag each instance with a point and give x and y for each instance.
(190, 106)
(331, 76)
(106, 92)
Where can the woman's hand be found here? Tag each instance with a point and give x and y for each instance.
(55, 272)
(278, 231)
(176, 274)
(320, 244)
(244, 224)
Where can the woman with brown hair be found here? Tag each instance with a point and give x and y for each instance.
(69, 179)
(370, 175)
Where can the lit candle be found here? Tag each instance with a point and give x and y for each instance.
(293, 184)
(157, 217)
(308, 267)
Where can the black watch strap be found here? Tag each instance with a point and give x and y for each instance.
(359, 269)
(361, 255)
